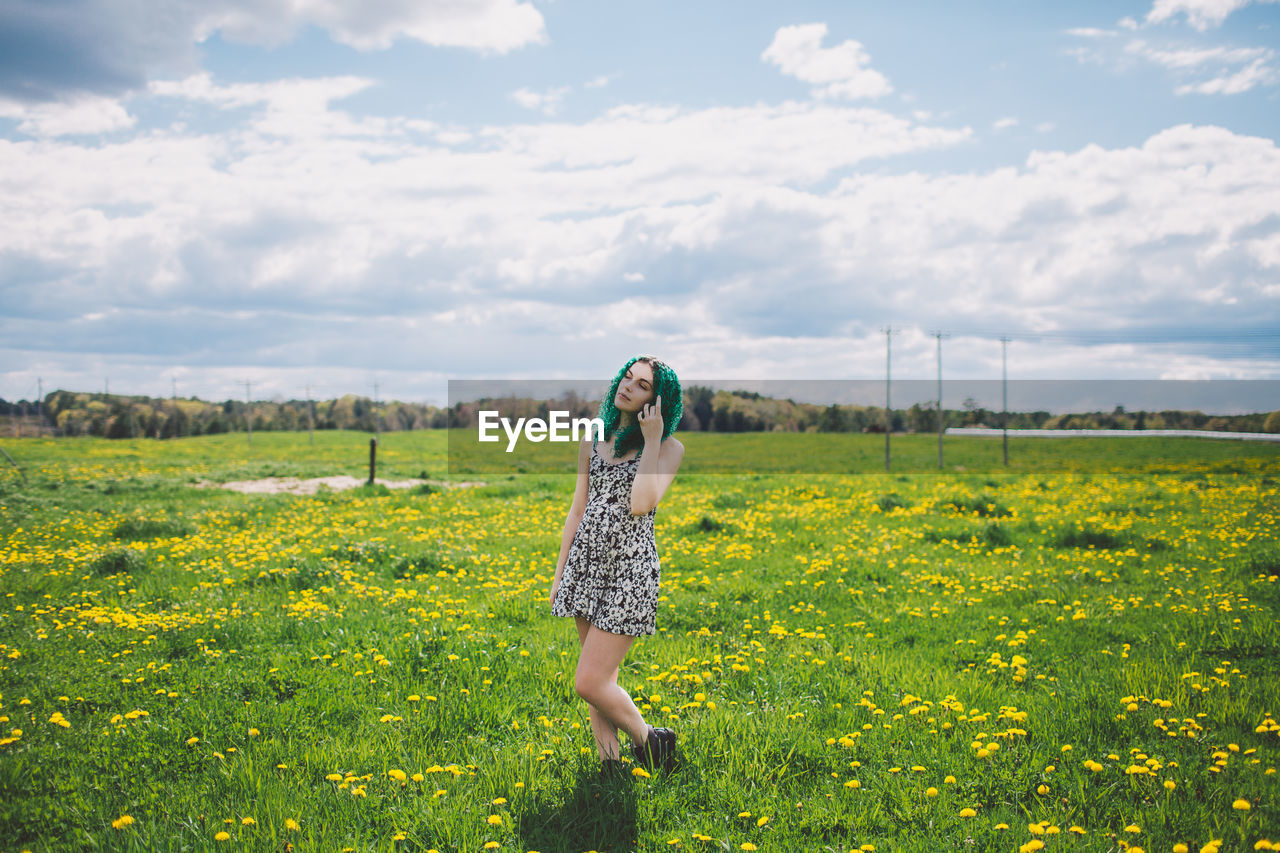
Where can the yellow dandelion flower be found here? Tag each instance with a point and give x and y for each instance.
(853, 783)
(1241, 805)
(495, 820)
(1133, 827)
(291, 824)
(222, 836)
(247, 821)
(492, 845)
(499, 801)
(398, 775)
(762, 821)
(1170, 784)
(1042, 790)
(747, 845)
(1181, 848)
(1031, 846)
(122, 821)
(931, 792)
(641, 772)
(950, 780)
(968, 812)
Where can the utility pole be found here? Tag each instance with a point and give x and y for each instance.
(377, 423)
(938, 334)
(1004, 386)
(311, 418)
(173, 402)
(248, 413)
(888, 421)
(39, 404)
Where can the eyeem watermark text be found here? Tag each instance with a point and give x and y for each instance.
(559, 428)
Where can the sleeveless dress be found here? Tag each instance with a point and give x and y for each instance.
(611, 574)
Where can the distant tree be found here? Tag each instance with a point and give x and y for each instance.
(832, 420)
(698, 399)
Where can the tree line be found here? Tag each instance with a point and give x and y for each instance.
(705, 409)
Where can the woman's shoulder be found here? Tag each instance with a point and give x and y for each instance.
(673, 443)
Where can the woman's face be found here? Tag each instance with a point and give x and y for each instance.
(636, 388)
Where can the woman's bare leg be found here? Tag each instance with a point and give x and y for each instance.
(596, 681)
(605, 733)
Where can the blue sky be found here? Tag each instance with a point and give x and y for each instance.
(319, 194)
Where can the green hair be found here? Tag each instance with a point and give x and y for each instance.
(665, 385)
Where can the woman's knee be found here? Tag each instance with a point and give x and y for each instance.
(586, 687)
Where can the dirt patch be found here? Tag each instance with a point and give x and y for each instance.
(294, 486)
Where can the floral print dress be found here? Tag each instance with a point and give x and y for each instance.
(611, 574)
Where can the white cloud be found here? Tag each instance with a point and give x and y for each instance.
(1257, 73)
(1233, 70)
(1190, 58)
(291, 108)
(109, 47)
(842, 71)
(1207, 70)
(1200, 14)
(547, 102)
(487, 25)
(1004, 123)
(1090, 32)
(670, 229)
(84, 115)
(601, 81)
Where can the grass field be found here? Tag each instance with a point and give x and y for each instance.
(1080, 653)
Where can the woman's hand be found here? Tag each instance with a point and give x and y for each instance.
(555, 587)
(650, 418)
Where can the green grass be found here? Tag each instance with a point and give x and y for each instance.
(1102, 598)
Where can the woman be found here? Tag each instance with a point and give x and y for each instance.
(607, 572)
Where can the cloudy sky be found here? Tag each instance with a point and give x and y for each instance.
(329, 194)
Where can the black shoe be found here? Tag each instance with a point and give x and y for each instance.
(613, 768)
(658, 750)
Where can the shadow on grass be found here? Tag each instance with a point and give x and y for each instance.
(597, 814)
